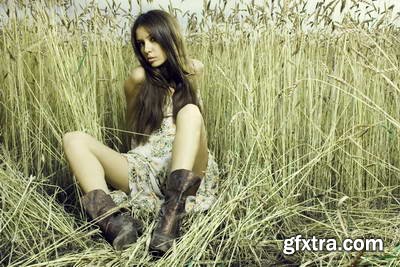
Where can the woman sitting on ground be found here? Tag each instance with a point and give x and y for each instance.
(169, 167)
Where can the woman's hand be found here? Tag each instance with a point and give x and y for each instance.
(196, 66)
(196, 70)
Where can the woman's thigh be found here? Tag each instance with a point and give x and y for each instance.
(115, 164)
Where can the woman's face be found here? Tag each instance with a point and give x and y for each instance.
(150, 49)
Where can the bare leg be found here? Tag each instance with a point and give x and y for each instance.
(94, 164)
(189, 153)
(189, 149)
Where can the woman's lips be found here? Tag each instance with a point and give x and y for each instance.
(151, 59)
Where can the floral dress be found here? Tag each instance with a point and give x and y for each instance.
(149, 166)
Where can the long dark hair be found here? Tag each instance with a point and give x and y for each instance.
(147, 113)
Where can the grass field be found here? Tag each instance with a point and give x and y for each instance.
(304, 125)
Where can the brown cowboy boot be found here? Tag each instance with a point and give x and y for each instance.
(180, 184)
(118, 228)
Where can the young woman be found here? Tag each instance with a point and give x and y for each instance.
(169, 167)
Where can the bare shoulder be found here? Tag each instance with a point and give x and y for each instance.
(135, 79)
(196, 66)
(137, 75)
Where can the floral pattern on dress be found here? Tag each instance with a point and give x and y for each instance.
(149, 164)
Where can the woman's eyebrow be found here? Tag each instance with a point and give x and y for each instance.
(144, 38)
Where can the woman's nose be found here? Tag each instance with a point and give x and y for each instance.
(147, 47)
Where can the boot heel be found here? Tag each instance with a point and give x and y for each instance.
(191, 188)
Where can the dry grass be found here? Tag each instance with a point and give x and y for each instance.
(305, 127)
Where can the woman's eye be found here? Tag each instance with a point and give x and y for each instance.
(152, 39)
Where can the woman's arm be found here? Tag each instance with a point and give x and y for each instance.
(131, 88)
(197, 69)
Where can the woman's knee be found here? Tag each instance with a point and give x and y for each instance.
(70, 139)
(190, 113)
